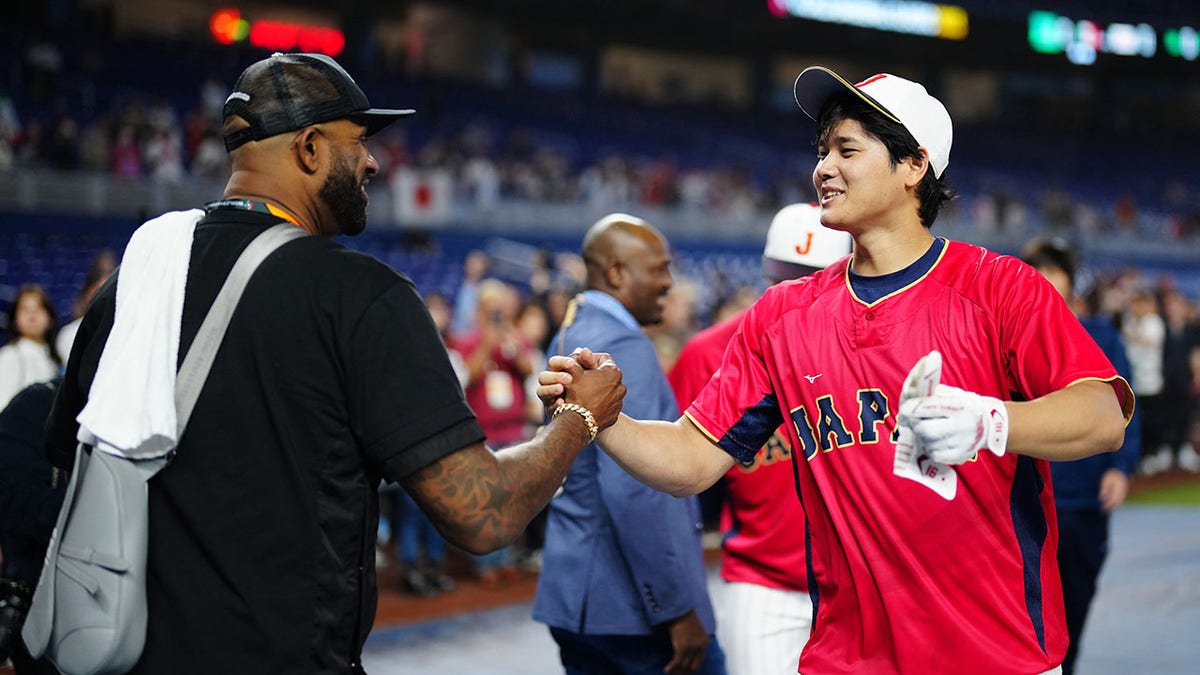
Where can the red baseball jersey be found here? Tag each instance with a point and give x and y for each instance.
(903, 580)
(761, 520)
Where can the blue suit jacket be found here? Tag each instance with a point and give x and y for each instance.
(620, 558)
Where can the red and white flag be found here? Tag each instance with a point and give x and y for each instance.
(421, 196)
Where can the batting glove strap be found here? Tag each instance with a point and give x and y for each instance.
(954, 425)
(996, 425)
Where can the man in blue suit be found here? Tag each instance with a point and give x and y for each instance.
(1086, 490)
(623, 585)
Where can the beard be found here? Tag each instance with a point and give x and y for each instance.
(342, 194)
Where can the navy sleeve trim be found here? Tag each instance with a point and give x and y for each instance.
(747, 436)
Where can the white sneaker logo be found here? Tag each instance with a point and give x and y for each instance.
(813, 378)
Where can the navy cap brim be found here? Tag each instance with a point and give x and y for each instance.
(376, 119)
(816, 84)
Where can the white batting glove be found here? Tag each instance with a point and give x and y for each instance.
(912, 461)
(953, 425)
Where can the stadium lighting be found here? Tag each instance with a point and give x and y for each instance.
(227, 27)
(1081, 41)
(948, 22)
(1182, 43)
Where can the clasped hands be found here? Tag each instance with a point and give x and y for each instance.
(590, 379)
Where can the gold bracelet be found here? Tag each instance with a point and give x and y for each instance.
(588, 417)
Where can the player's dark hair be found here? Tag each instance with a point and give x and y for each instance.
(932, 192)
(1043, 252)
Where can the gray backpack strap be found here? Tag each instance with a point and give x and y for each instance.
(194, 371)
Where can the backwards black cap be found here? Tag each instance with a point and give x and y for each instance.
(286, 92)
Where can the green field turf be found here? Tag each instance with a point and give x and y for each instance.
(1186, 494)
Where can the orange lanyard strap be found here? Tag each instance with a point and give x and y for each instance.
(249, 205)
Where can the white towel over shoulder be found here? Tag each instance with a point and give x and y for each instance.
(131, 406)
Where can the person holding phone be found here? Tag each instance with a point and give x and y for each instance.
(498, 361)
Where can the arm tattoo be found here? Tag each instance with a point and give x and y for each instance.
(482, 501)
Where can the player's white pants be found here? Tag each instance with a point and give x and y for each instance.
(762, 630)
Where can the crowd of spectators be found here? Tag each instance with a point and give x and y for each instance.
(488, 165)
(490, 159)
(137, 140)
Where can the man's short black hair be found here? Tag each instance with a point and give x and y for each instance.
(1043, 252)
(932, 193)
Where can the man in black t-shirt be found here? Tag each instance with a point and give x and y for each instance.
(331, 376)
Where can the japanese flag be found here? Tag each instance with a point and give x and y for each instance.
(421, 196)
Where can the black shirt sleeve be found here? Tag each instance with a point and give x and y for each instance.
(406, 404)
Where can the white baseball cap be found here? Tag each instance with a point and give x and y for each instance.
(903, 101)
(798, 244)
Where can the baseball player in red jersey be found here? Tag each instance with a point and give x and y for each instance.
(764, 612)
(912, 576)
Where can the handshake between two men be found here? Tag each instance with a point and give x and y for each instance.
(595, 391)
(938, 426)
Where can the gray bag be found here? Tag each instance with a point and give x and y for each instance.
(89, 610)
